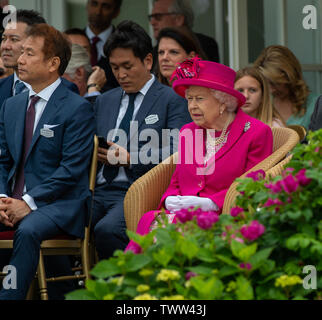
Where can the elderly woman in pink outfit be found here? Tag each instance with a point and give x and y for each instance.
(219, 145)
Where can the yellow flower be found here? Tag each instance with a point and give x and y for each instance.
(117, 280)
(285, 280)
(108, 297)
(145, 296)
(142, 288)
(187, 284)
(175, 297)
(146, 272)
(231, 286)
(166, 274)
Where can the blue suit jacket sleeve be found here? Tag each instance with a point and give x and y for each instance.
(6, 160)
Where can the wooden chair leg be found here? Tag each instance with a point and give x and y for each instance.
(31, 294)
(85, 259)
(42, 278)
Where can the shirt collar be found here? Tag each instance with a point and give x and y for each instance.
(103, 35)
(15, 78)
(46, 93)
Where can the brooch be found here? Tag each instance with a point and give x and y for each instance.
(247, 126)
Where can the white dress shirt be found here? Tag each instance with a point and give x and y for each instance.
(40, 106)
(103, 36)
(122, 177)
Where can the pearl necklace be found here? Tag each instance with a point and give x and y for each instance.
(213, 144)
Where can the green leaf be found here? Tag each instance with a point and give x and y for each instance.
(236, 247)
(188, 248)
(259, 257)
(244, 290)
(202, 270)
(227, 271)
(106, 268)
(209, 289)
(226, 260)
(81, 294)
(247, 252)
(137, 262)
(164, 255)
(206, 255)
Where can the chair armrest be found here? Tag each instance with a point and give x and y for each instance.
(145, 193)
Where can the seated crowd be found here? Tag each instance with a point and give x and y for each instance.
(145, 104)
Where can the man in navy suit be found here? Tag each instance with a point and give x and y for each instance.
(11, 45)
(46, 137)
(152, 108)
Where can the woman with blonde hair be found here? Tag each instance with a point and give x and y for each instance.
(292, 97)
(251, 83)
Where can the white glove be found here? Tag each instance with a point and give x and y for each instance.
(173, 203)
(205, 204)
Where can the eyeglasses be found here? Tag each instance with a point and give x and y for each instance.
(158, 16)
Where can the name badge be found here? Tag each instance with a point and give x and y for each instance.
(151, 119)
(47, 133)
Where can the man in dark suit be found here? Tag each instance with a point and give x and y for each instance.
(100, 14)
(11, 45)
(316, 118)
(179, 13)
(131, 151)
(46, 137)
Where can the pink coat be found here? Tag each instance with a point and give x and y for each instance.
(249, 142)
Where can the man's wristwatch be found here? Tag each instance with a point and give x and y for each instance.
(92, 85)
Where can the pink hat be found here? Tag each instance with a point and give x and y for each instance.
(197, 72)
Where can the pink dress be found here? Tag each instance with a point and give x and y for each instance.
(249, 142)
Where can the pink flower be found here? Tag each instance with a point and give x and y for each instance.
(190, 274)
(302, 179)
(233, 236)
(256, 175)
(272, 202)
(252, 231)
(184, 215)
(275, 188)
(234, 212)
(289, 184)
(134, 247)
(247, 266)
(207, 219)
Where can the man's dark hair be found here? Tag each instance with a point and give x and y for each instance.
(55, 44)
(29, 17)
(129, 35)
(117, 3)
(76, 31)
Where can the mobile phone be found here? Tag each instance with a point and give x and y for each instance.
(102, 143)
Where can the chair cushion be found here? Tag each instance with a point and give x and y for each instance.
(7, 235)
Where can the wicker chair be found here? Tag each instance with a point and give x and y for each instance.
(145, 193)
(301, 131)
(65, 245)
(279, 168)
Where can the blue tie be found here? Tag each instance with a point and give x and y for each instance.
(19, 87)
(110, 172)
(125, 123)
